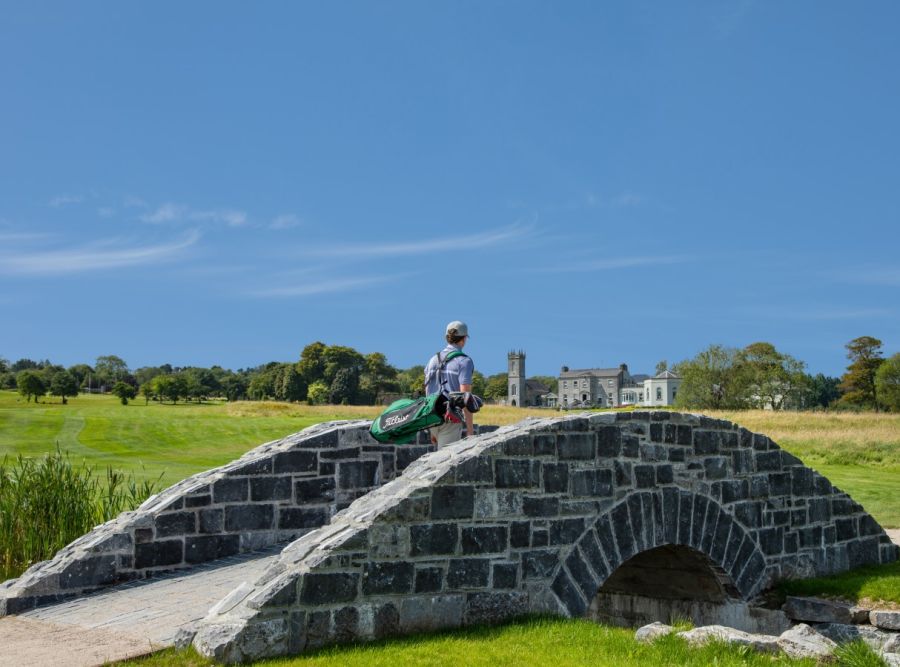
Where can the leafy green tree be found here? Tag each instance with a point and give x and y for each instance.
(378, 377)
(262, 386)
(24, 365)
(235, 387)
(661, 367)
(317, 394)
(293, 386)
(30, 384)
(63, 384)
(144, 374)
(495, 386)
(147, 392)
(339, 357)
(887, 383)
(4, 365)
(714, 379)
(312, 362)
(410, 382)
(548, 381)
(124, 391)
(858, 383)
(81, 372)
(774, 379)
(344, 386)
(478, 383)
(111, 369)
(170, 387)
(822, 390)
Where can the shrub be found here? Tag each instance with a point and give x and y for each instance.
(46, 503)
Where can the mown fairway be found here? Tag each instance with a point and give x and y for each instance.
(860, 453)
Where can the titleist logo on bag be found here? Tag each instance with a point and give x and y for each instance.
(393, 420)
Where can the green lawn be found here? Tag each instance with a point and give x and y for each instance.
(530, 642)
(174, 440)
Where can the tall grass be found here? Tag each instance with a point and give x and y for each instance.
(47, 502)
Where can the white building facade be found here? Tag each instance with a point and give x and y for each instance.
(615, 387)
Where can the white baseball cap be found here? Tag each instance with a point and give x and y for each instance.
(457, 328)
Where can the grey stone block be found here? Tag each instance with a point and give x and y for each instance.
(484, 539)
(430, 539)
(452, 502)
(204, 548)
(290, 518)
(230, 490)
(89, 572)
(387, 578)
(249, 517)
(329, 587)
(468, 573)
(494, 607)
(270, 488)
(158, 554)
(429, 580)
(593, 482)
(296, 461)
(517, 473)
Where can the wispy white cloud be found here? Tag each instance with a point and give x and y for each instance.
(285, 221)
(884, 276)
(17, 237)
(98, 256)
(106, 211)
(170, 212)
(131, 201)
(323, 286)
(424, 246)
(65, 200)
(613, 263)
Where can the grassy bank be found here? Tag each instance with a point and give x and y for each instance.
(530, 642)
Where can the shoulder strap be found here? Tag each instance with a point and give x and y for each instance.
(452, 355)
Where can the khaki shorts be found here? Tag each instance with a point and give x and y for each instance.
(447, 433)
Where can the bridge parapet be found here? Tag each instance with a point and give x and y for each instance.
(535, 518)
(274, 493)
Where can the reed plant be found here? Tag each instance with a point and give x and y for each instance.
(49, 501)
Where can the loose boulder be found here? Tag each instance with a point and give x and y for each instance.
(650, 632)
(802, 641)
(708, 633)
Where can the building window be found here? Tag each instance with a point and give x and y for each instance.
(584, 383)
(674, 391)
(513, 390)
(565, 383)
(659, 393)
(609, 382)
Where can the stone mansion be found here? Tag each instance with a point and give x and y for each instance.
(590, 387)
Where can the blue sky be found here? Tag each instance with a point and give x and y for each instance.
(200, 183)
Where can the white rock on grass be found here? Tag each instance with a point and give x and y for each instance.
(891, 659)
(650, 632)
(708, 633)
(878, 640)
(884, 619)
(801, 641)
(892, 645)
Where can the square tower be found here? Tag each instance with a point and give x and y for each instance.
(516, 375)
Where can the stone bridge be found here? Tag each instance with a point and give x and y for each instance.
(551, 516)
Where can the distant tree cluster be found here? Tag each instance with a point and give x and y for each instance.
(759, 376)
(718, 377)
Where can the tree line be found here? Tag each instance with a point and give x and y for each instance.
(760, 376)
(719, 377)
(323, 374)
